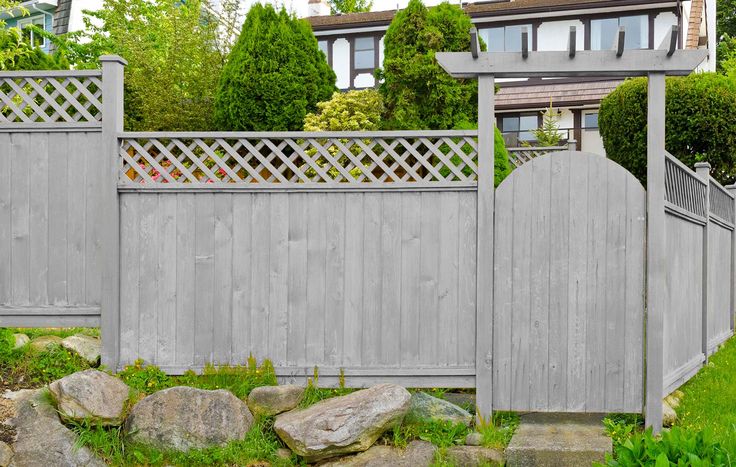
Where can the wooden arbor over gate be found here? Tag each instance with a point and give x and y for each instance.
(486, 66)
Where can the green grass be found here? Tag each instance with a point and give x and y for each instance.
(710, 397)
(498, 434)
(59, 332)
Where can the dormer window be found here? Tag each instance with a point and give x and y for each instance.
(603, 32)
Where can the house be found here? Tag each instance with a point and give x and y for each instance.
(353, 44)
(56, 16)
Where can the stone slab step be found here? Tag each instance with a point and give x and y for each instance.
(552, 440)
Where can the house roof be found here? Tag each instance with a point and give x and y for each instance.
(488, 8)
(566, 93)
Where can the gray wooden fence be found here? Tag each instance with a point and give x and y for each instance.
(380, 255)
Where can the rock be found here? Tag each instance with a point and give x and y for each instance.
(669, 416)
(343, 425)
(273, 400)
(471, 456)
(87, 347)
(90, 395)
(39, 344)
(474, 439)
(674, 399)
(416, 454)
(41, 438)
(20, 340)
(461, 399)
(6, 454)
(426, 408)
(183, 418)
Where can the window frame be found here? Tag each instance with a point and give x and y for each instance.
(22, 23)
(649, 15)
(354, 50)
(532, 25)
(518, 115)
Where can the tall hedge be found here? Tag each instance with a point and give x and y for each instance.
(417, 92)
(700, 123)
(274, 75)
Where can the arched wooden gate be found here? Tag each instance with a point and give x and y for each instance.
(569, 287)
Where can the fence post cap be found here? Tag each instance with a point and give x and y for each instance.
(113, 59)
(731, 187)
(702, 165)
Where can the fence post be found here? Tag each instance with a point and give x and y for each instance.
(572, 145)
(112, 124)
(656, 252)
(484, 266)
(732, 190)
(703, 171)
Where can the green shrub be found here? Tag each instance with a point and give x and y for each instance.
(699, 123)
(145, 378)
(347, 111)
(417, 92)
(275, 74)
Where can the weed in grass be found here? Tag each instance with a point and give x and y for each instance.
(442, 433)
(145, 378)
(497, 431)
(313, 393)
(621, 426)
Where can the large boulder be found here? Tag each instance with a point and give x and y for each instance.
(343, 425)
(183, 418)
(87, 347)
(426, 408)
(41, 343)
(273, 400)
(416, 454)
(90, 395)
(41, 439)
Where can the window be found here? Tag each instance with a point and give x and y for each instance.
(591, 121)
(603, 32)
(324, 48)
(32, 38)
(364, 56)
(519, 125)
(505, 38)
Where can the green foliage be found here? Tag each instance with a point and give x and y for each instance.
(497, 433)
(349, 6)
(549, 133)
(347, 111)
(313, 393)
(726, 17)
(502, 166)
(677, 447)
(17, 54)
(699, 123)
(726, 55)
(173, 59)
(621, 426)
(440, 433)
(417, 93)
(274, 75)
(145, 378)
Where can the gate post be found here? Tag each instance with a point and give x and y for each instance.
(484, 240)
(112, 124)
(656, 252)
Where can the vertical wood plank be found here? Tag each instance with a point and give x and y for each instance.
(77, 219)
(410, 261)
(38, 222)
(129, 278)
(242, 285)
(204, 274)
(297, 283)
(316, 278)
(149, 277)
(94, 254)
(223, 297)
(447, 303)
(186, 289)
(467, 255)
(335, 279)
(279, 258)
(261, 246)
(371, 341)
(19, 212)
(58, 158)
(428, 279)
(503, 309)
(354, 254)
(5, 219)
(167, 280)
(390, 355)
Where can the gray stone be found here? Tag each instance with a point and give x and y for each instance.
(474, 439)
(416, 454)
(182, 418)
(669, 416)
(87, 347)
(40, 343)
(20, 340)
(343, 425)
(90, 395)
(472, 456)
(41, 439)
(283, 453)
(674, 399)
(6, 454)
(428, 408)
(546, 440)
(273, 400)
(462, 399)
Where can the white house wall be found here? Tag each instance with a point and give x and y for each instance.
(341, 62)
(552, 35)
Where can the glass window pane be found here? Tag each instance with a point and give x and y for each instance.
(528, 122)
(364, 59)
(602, 33)
(637, 31)
(512, 37)
(510, 124)
(364, 43)
(323, 46)
(591, 120)
(494, 39)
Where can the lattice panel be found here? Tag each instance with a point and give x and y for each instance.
(520, 156)
(63, 99)
(721, 203)
(684, 188)
(295, 160)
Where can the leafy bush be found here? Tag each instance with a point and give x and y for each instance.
(347, 111)
(699, 123)
(17, 54)
(145, 378)
(275, 74)
(417, 92)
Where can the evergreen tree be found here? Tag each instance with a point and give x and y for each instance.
(275, 74)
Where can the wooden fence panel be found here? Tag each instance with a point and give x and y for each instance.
(569, 307)
(381, 284)
(50, 240)
(720, 281)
